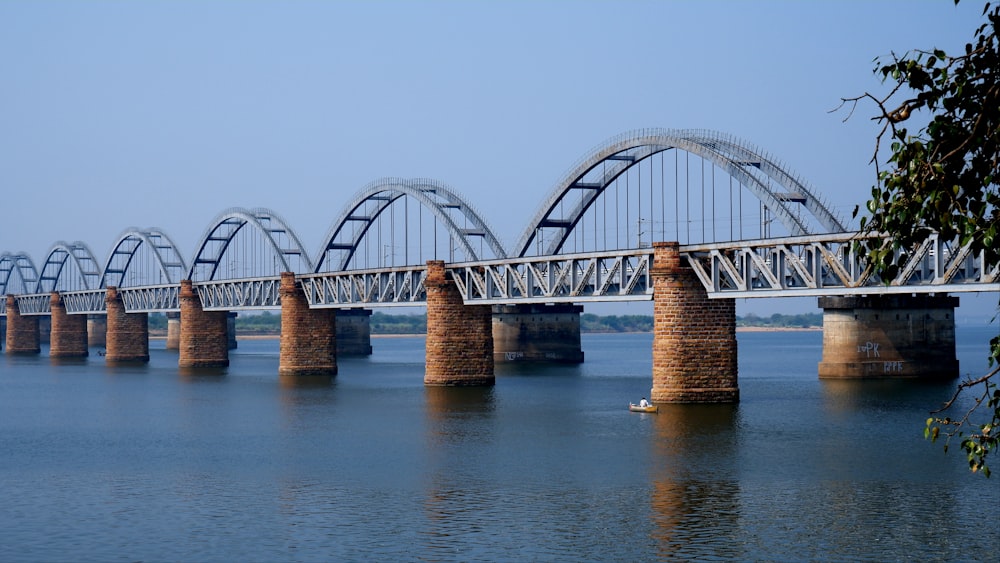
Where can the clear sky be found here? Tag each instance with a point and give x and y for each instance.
(120, 114)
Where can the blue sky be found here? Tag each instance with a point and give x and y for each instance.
(119, 114)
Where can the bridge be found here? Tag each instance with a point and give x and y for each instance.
(741, 224)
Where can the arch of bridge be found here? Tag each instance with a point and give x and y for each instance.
(21, 265)
(431, 194)
(229, 223)
(742, 161)
(169, 261)
(52, 276)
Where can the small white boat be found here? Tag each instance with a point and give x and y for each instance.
(637, 408)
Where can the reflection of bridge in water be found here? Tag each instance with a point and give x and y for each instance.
(743, 225)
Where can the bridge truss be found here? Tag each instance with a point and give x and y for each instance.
(785, 267)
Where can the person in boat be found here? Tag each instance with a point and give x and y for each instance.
(643, 402)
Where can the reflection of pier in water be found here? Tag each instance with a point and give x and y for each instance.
(453, 504)
(693, 488)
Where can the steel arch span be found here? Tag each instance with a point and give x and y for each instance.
(360, 215)
(127, 264)
(68, 267)
(18, 274)
(793, 203)
(273, 250)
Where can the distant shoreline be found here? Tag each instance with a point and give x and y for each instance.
(738, 329)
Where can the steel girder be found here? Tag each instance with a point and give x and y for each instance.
(92, 301)
(358, 217)
(224, 229)
(816, 265)
(31, 305)
(741, 161)
(829, 265)
(240, 295)
(384, 288)
(574, 278)
(169, 262)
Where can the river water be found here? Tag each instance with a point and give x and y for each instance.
(143, 463)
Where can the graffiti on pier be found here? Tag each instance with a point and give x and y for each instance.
(869, 349)
(892, 367)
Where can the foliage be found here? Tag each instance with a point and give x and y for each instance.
(943, 176)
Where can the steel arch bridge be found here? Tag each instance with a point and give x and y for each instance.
(126, 265)
(69, 266)
(18, 274)
(793, 203)
(241, 254)
(343, 240)
(275, 237)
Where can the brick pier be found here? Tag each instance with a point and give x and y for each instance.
(204, 340)
(308, 336)
(22, 331)
(694, 341)
(128, 333)
(68, 338)
(459, 336)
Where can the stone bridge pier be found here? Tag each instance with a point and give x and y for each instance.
(97, 330)
(537, 333)
(22, 331)
(127, 334)
(878, 336)
(308, 336)
(459, 348)
(354, 332)
(694, 340)
(203, 340)
(68, 337)
(173, 341)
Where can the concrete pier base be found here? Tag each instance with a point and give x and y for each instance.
(694, 341)
(68, 338)
(44, 329)
(308, 336)
(881, 336)
(22, 331)
(231, 330)
(537, 333)
(204, 341)
(173, 331)
(128, 333)
(459, 348)
(97, 331)
(354, 332)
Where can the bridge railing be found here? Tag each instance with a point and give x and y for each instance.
(828, 265)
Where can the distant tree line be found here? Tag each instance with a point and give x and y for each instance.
(804, 320)
(382, 323)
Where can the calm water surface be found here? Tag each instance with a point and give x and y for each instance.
(147, 464)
